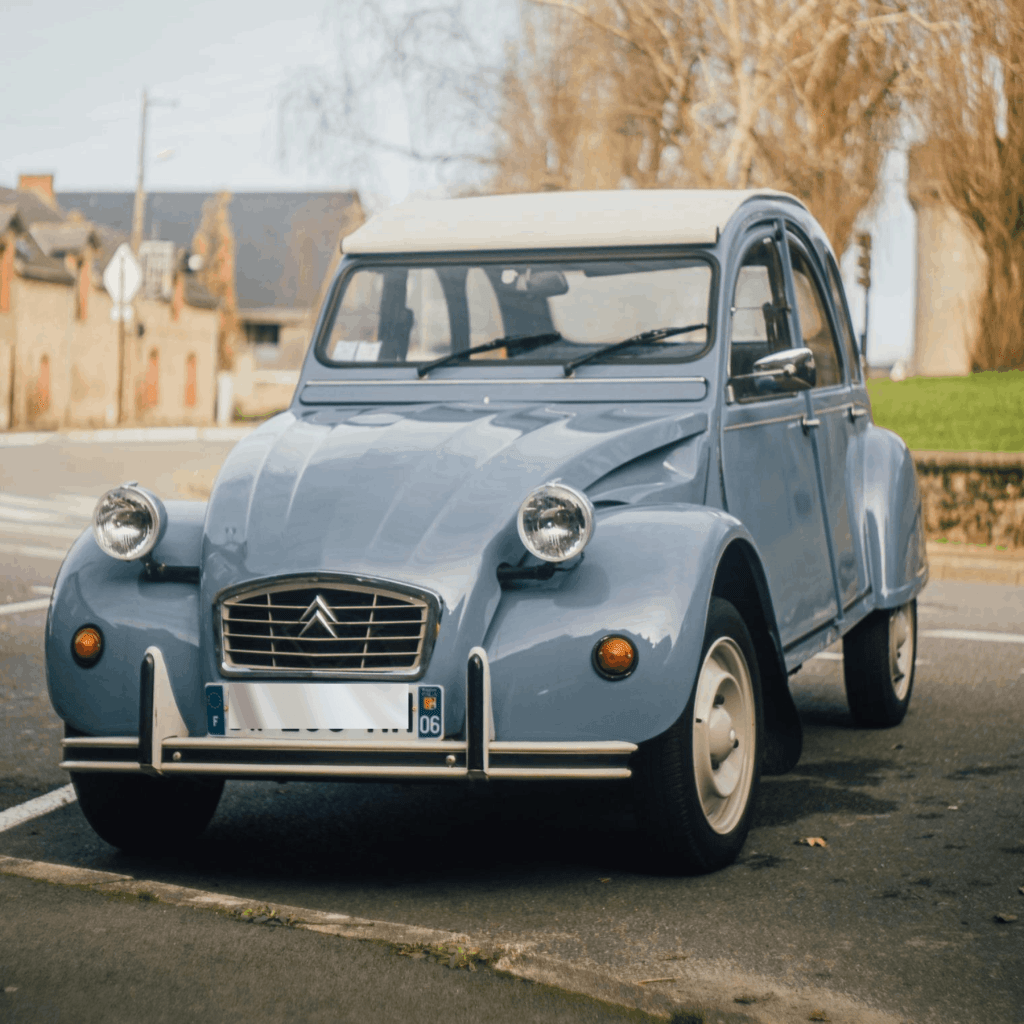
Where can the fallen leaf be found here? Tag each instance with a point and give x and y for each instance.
(1004, 918)
(817, 1015)
(654, 981)
(745, 999)
(11, 988)
(1021, 890)
(898, 746)
(811, 841)
(952, 807)
(675, 956)
(604, 879)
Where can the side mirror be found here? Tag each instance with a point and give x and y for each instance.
(792, 369)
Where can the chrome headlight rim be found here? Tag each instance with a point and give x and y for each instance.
(570, 495)
(153, 508)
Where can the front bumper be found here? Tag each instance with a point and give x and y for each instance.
(164, 748)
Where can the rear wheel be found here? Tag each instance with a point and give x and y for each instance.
(143, 814)
(696, 783)
(878, 666)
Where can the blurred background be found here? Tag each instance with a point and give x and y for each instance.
(229, 150)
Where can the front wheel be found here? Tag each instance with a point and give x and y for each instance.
(696, 783)
(144, 814)
(878, 666)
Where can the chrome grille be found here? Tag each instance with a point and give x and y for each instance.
(325, 628)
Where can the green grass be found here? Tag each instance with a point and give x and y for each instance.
(980, 413)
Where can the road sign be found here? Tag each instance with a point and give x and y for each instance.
(123, 275)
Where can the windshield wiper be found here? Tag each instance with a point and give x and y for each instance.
(644, 338)
(513, 345)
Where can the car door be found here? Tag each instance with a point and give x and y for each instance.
(768, 458)
(831, 402)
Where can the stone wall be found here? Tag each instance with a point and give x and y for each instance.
(973, 497)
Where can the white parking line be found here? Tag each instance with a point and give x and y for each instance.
(36, 808)
(37, 604)
(974, 634)
(31, 551)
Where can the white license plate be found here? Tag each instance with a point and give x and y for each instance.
(241, 708)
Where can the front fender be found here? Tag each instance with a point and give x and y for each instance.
(893, 521)
(647, 574)
(133, 614)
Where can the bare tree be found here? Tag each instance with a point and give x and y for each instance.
(214, 242)
(413, 81)
(975, 130)
(802, 95)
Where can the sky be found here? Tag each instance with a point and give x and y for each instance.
(80, 70)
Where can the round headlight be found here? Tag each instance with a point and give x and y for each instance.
(556, 522)
(127, 523)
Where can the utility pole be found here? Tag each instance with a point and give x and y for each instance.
(139, 212)
(864, 280)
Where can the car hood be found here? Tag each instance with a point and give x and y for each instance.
(426, 495)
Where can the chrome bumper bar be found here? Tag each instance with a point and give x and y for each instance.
(164, 748)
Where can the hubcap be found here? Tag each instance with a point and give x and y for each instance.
(723, 735)
(901, 649)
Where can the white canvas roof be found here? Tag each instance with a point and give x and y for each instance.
(546, 220)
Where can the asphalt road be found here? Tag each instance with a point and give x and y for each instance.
(924, 826)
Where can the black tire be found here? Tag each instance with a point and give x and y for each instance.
(145, 814)
(879, 654)
(688, 833)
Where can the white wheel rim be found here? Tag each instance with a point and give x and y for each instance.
(724, 733)
(901, 650)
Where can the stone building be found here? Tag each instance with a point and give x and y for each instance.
(61, 353)
(286, 248)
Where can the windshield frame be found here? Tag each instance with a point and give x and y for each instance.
(351, 264)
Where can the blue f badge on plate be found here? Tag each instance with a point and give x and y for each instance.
(430, 716)
(215, 709)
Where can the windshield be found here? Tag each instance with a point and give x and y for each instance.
(421, 312)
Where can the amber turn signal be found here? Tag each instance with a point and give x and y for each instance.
(87, 645)
(615, 657)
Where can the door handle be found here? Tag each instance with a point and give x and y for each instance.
(856, 412)
(807, 423)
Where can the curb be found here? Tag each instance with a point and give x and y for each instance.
(723, 994)
(126, 434)
(976, 564)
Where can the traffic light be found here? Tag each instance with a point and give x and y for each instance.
(864, 260)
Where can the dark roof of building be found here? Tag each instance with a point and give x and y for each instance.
(285, 242)
(31, 208)
(56, 238)
(30, 261)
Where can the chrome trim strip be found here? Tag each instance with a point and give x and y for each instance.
(419, 382)
(100, 766)
(833, 408)
(764, 423)
(242, 744)
(572, 747)
(277, 770)
(559, 773)
(99, 741)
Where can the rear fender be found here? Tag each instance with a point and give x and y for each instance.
(133, 614)
(893, 521)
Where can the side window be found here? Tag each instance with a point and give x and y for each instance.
(843, 316)
(759, 325)
(814, 322)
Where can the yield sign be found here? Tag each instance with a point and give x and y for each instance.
(123, 275)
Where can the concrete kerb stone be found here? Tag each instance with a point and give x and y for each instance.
(719, 994)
